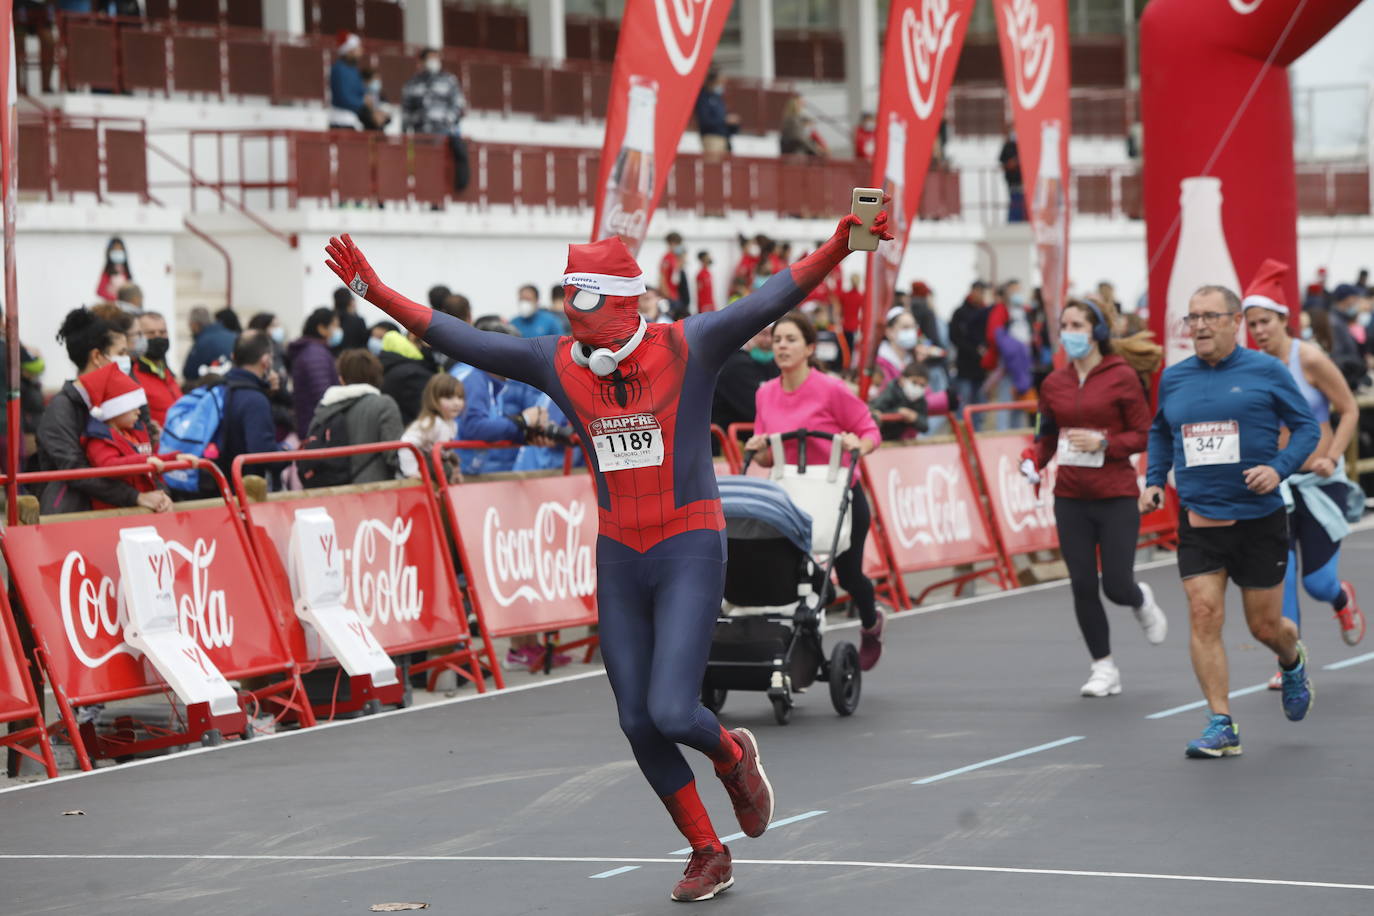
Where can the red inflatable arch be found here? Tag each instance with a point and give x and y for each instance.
(1215, 101)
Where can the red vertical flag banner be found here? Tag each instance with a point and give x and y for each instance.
(661, 60)
(1034, 38)
(9, 186)
(924, 38)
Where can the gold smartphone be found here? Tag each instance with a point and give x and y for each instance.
(865, 203)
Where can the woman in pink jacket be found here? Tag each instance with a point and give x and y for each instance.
(804, 397)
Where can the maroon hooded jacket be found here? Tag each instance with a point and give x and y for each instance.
(1110, 400)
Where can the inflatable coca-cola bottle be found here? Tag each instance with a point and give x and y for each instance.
(887, 259)
(1202, 259)
(1048, 225)
(630, 189)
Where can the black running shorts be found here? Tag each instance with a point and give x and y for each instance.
(1253, 551)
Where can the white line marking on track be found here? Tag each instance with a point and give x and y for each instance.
(1243, 691)
(771, 826)
(804, 863)
(616, 871)
(1003, 759)
(1347, 662)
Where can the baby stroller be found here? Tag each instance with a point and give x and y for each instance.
(783, 536)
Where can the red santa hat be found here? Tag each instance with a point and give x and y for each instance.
(1266, 290)
(111, 392)
(605, 267)
(348, 41)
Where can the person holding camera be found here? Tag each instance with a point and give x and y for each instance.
(555, 434)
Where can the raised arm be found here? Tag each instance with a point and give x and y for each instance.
(500, 354)
(713, 336)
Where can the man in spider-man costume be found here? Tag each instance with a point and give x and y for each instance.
(639, 397)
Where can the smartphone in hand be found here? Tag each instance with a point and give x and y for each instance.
(865, 203)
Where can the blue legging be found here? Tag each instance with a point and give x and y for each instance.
(1320, 556)
(657, 612)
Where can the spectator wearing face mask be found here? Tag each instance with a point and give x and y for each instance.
(312, 364)
(739, 380)
(672, 273)
(432, 102)
(897, 349)
(114, 435)
(91, 344)
(116, 272)
(483, 419)
(906, 397)
(347, 91)
(151, 371)
(866, 136)
(531, 319)
(1008, 354)
(283, 407)
(706, 284)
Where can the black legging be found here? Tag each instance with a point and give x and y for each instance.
(1084, 526)
(849, 566)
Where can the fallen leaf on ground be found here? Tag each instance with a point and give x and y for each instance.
(397, 907)
(73, 811)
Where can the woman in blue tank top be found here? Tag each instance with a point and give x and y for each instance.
(1316, 495)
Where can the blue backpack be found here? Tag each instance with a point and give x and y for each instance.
(192, 428)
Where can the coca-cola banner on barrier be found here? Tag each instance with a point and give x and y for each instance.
(68, 579)
(1024, 522)
(1034, 39)
(394, 573)
(924, 38)
(661, 59)
(528, 548)
(16, 690)
(930, 509)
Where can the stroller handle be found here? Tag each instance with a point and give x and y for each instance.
(802, 436)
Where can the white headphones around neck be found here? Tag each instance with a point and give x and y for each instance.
(603, 360)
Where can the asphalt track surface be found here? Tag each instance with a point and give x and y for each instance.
(973, 779)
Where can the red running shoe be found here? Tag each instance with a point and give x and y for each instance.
(871, 643)
(708, 873)
(748, 787)
(1351, 617)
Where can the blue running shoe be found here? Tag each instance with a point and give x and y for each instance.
(1220, 738)
(1297, 688)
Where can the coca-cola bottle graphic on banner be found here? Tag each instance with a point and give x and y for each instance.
(1201, 259)
(630, 189)
(1049, 226)
(888, 258)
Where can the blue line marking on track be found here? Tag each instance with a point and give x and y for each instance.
(616, 871)
(1347, 662)
(1254, 688)
(773, 825)
(987, 763)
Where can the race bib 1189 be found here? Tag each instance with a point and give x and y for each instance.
(623, 443)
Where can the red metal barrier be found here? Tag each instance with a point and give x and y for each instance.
(17, 698)
(64, 154)
(927, 505)
(66, 576)
(399, 575)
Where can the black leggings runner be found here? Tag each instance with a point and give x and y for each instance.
(849, 566)
(1084, 526)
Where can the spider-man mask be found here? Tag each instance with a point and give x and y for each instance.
(602, 285)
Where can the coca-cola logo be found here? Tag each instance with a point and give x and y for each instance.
(95, 622)
(1020, 507)
(631, 224)
(381, 585)
(933, 512)
(682, 24)
(925, 40)
(1032, 50)
(544, 562)
(1245, 7)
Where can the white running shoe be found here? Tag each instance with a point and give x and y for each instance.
(1105, 679)
(1151, 618)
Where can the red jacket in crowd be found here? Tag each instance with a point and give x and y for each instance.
(1110, 400)
(160, 385)
(706, 291)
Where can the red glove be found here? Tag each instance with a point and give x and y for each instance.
(352, 268)
(815, 267)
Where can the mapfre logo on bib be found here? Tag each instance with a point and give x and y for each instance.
(632, 424)
(925, 40)
(682, 24)
(1032, 50)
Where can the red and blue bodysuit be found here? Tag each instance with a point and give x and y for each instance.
(646, 429)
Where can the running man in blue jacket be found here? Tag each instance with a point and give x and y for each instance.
(1217, 428)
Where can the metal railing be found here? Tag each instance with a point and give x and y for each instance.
(64, 155)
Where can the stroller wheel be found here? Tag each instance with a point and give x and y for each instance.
(782, 710)
(846, 680)
(713, 698)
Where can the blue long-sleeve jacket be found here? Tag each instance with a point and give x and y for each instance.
(484, 419)
(711, 115)
(1254, 390)
(519, 396)
(346, 88)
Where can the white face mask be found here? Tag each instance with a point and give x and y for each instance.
(278, 334)
(914, 391)
(124, 362)
(433, 64)
(906, 339)
(374, 346)
(524, 308)
(118, 256)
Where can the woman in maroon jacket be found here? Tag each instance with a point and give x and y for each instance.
(1094, 416)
